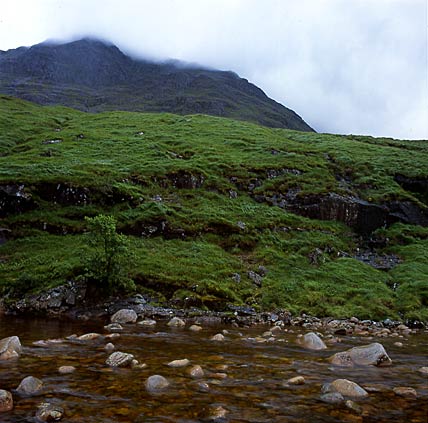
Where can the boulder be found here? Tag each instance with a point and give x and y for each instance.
(312, 341)
(196, 372)
(6, 401)
(30, 386)
(348, 388)
(195, 328)
(47, 412)
(113, 327)
(125, 315)
(297, 380)
(156, 383)
(176, 322)
(89, 336)
(219, 337)
(119, 359)
(332, 398)
(147, 322)
(367, 355)
(405, 391)
(10, 348)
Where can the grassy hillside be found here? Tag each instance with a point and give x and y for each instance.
(199, 199)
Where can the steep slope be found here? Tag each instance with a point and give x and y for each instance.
(91, 75)
(217, 211)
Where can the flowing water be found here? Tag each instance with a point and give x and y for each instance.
(246, 378)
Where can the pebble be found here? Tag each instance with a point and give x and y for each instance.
(179, 363)
(6, 401)
(147, 322)
(195, 328)
(113, 326)
(47, 412)
(196, 372)
(176, 322)
(398, 344)
(109, 347)
(297, 380)
(405, 391)
(202, 387)
(219, 337)
(64, 370)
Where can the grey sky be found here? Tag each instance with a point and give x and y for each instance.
(346, 66)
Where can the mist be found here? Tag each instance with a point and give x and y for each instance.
(354, 66)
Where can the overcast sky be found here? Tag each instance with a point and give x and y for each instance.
(345, 66)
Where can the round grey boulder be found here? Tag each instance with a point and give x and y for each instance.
(156, 383)
(312, 341)
(348, 388)
(10, 348)
(30, 386)
(366, 355)
(6, 401)
(125, 315)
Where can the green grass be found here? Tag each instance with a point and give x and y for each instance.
(189, 242)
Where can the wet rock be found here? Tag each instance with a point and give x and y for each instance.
(217, 414)
(348, 388)
(156, 383)
(195, 328)
(6, 401)
(405, 391)
(147, 322)
(203, 387)
(109, 347)
(312, 341)
(367, 355)
(119, 359)
(47, 412)
(125, 315)
(352, 405)
(64, 370)
(196, 372)
(176, 322)
(398, 344)
(179, 363)
(10, 348)
(89, 336)
(219, 337)
(423, 370)
(297, 380)
(113, 327)
(30, 386)
(112, 336)
(332, 398)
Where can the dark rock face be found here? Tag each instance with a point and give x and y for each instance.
(14, 199)
(94, 76)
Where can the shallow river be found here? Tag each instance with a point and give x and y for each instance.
(245, 378)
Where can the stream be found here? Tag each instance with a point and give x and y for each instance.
(246, 378)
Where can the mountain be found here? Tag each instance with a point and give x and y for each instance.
(216, 211)
(92, 75)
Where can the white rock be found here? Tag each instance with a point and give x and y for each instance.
(219, 337)
(312, 341)
(179, 363)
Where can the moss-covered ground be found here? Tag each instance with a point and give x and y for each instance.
(177, 186)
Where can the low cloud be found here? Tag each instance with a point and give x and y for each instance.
(354, 66)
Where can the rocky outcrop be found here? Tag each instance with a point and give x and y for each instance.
(14, 199)
(367, 355)
(10, 348)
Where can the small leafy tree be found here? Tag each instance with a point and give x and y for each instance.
(107, 265)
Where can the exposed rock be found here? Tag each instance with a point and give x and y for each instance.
(372, 354)
(219, 337)
(113, 327)
(196, 372)
(202, 387)
(256, 278)
(6, 401)
(297, 380)
(398, 344)
(89, 336)
(147, 322)
(217, 413)
(348, 388)
(119, 359)
(29, 386)
(124, 316)
(176, 322)
(47, 412)
(423, 370)
(64, 370)
(405, 391)
(179, 363)
(195, 328)
(109, 347)
(10, 348)
(352, 405)
(112, 336)
(14, 199)
(312, 341)
(332, 398)
(156, 383)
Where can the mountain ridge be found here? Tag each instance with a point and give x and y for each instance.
(93, 75)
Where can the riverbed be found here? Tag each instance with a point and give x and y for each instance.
(245, 376)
